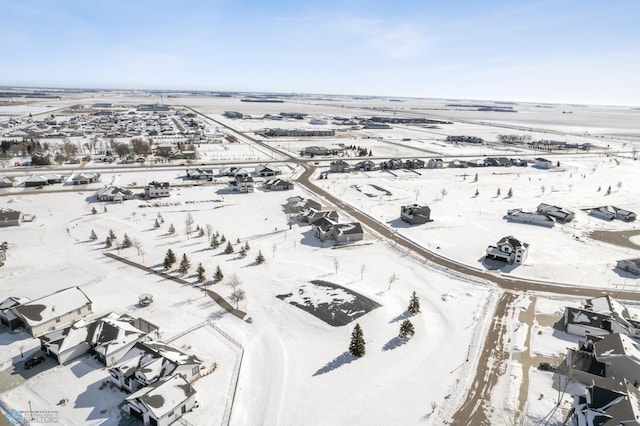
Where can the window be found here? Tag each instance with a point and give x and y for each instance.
(171, 414)
(80, 311)
(57, 319)
(195, 370)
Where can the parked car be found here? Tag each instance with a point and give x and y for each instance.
(33, 361)
(545, 366)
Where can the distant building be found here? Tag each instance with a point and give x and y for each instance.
(264, 170)
(517, 215)
(558, 213)
(612, 212)
(10, 217)
(7, 182)
(543, 163)
(157, 190)
(85, 178)
(233, 114)
(278, 185)
(298, 133)
(630, 265)
(415, 214)
(241, 184)
(114, 193)
(509, 250)
(339, 166)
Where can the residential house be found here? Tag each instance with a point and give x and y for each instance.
(310, 215)
(241, 184)
(600, 316)
(233, 114)
(629, 265)
(615, 404)
(497, 162)
(415, 214)
(10, 217)
(109, 337)
(604, 212)
(392, 164)
(200, 174)
(266, 171)
(53, 311)
(542, 163)
(458, 164)
(114, 193)
(7, 182)
(366, 166)
(278, 184)
(435, 163)
(156, 189)
(321, 226)
(162, 403)
(518, 162)
(35, 181)
(317, 150)
(558, 213)
(339, 166)
(85, 178)
(7, 316)
(625, 215)
(146, 363)
(476, 163)
(517, 215)
(345, 232)
(509, 250)
(298, 203)
(414, 163)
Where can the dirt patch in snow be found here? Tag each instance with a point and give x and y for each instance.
(332, 303)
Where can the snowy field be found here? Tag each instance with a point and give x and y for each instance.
(296, 368)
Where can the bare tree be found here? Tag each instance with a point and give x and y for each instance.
(336, 264)
(417, 192)
(443, 192)
(188, 225)
(209, 229)
(392, 279)
(238, 295)
(362, 268)
(137, 245)
(234, 281)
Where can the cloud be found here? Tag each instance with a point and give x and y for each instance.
(394, 41)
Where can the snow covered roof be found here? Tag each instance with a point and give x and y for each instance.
(162, 397)
(348, 228)
(54, 305)
(12, 301)
(616, 345)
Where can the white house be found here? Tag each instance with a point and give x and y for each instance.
(600, 316)
(543, 163)
(10, 217)
(241, 184)
(509, 250)
(265, 171)
(163, 402)
(114, 193)
(156, 189)
(517, 215)
(53, 311)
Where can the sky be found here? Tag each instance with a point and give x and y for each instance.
(560, 51)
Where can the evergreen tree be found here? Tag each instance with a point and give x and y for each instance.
(357, 345)
(112, 235)
(93, 210)
(223, 239)
(105, 209)
(200, 271)
(510, 193)
(246, 246)
(243, 252)
(201, 232)
(477, 193)
(260, 258)
(156, 224)
(498, 192)
(414, 304)
(214, 242)
(172, 230)
(93, 236)
(169, 259)
(229, 248)
(126, 242)
(218, 276)
(238, 240)
(406, 329)
(108, 242)
(160, 218)
(184, 265)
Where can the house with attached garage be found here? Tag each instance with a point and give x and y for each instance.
(10, 217)
(518, 216)
(53, 311)
(266, 171)
(339, 166)
(606, 404)
(297, 204)
(163, 402)
(85, 178)
(558, 213)
(311, 215)
(612, 212)
(629, 265)
(149, 362)
(366, 166)
(114, 193)
(415, 214)
(7, 182)
(509, 250)
(542, 163)
(435, 163)
(278, 185)
(109, 337)
(600, 316)
(343, 232)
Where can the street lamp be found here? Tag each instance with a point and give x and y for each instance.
(30, 410)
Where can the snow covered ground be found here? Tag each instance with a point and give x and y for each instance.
(296, 368)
